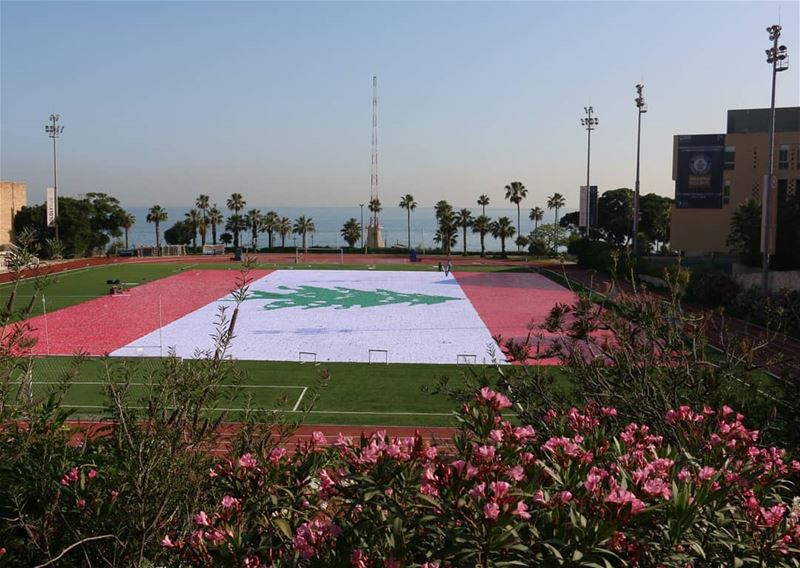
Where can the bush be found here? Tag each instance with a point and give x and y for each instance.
(713, 289)
(538, 247)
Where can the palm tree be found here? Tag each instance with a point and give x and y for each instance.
(202, 205)
(464, 219)
(236, 203)
(284, 227)
(555, 201)
(214, 219)
(483, 201)
(482, 225)
(515, 193)
(442, 209)
(127, 222)
(303, 226)
(270, 225)
(536, 215)
(193, 216)
(351, 231)
(407, 202)
(503, 229)
(447, 233)
(254, 220)
(375, 207)
(235, 225)
(157, 215)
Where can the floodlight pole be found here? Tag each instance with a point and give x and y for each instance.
(54, 131)
(776, 56)
(362, 224)
(642, 107)
(590, 124)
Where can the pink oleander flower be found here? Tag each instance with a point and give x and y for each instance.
(622, 497)
(166, 542)
(486, 453)
(607, 411)
(521, 510)
(496, 436)
(539, 498)
(275, 455)
(656, 487)
(706, 473)
(247, 461)
(114, 495)
(253, 562)
(212, 473)
(491, 511)
(499, 489)
(392, 563)
(92, 474)
(516, 473)
(70, 477)
(358, 559)
(434, 564)
(478, 492)
(81, 504)
(202, 519)
(319, 439)
(431, 452)
(495, 399)
(565, 496)
(684, 475)
(524, 434)
(229, 502)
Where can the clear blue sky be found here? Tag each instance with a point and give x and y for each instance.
(162, 101)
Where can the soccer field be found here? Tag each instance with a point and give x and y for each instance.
(382, 335)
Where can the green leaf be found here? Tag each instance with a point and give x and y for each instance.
(283, 525)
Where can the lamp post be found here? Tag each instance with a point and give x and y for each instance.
(642, 108)
(362, 224)
(54, 131)
(590, 123)
(776, 56)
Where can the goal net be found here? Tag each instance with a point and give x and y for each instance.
(213, 249)
(319, 255)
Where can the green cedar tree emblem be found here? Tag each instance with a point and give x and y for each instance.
(309, 297)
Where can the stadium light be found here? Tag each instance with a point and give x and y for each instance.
(642, 108)
(54, 131)
(590, 123)
(776, 56)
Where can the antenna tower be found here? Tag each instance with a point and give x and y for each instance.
(373, 180)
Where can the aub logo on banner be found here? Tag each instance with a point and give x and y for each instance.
(700, 164)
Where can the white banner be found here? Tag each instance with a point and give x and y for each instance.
(584, 204)
(51, 206)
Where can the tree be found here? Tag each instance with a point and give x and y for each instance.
(303, 226)
(181, 233)
(236, 203)
(515, 193)
(202, 204)
(615, 215)
(570, 221)
(503, 229)
(552, 234)
(536, 215)
(157, 215)
(284, 227)
(442, 209)
(482, 226)
(226, 238)
(351, 231)
(375, 207)
(235, 224)
(193, 218)
(464, 219)
(654, 212)
(270, 225)
(254, 220)
(556, 201)
(745, 235)
(447, 231)
(407, 202)
(483, 201)
(214, 219)
(129, 221)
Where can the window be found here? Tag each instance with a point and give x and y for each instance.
(783, 157)
(730, 157)
(726, 193)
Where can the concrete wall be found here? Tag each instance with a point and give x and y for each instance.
(748, 277)
(13, 197)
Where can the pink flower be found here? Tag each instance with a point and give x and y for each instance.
(623, 497)
(524, 434)
(431, 452)
(565, 496)
(114, 495)
(358, 559)
(81, 503)
(247, 461)
(166, 542)
(521, 510)
(275, 455)
(479, 491)
(392, 563)
(491, 511)
(202, 519)
(486, 453)
(539, 498)
(499, 488)
(92, 474)
(706, 473)
(229, 502)
(684, 475)
(434, 564)
(70, 477)
(516, 473)
(655, 487)
(319, 439)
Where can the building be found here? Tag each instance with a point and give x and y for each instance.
(714, 173)
(13, 197)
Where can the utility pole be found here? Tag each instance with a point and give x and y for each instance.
(54, 131)
(362, 224)
(590, 123)
(642, 108)
(776, 56)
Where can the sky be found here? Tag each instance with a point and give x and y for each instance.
(162, 101)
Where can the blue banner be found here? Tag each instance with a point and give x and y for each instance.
(699, 184)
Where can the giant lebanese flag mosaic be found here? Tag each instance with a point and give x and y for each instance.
(405, 317)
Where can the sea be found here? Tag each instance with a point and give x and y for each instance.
(329, 221)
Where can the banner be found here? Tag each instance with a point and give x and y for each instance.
(588, 203)
(698, 184)
(771, 187)
(51, 206)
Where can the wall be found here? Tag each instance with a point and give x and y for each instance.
(13, 197)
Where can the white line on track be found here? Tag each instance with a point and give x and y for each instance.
(354, 412)
(300, 398)
(97, 383)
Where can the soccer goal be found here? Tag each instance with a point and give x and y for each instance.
(318, 255)
(307, 357)
(378, 356)
(213, 249)
(466, 359)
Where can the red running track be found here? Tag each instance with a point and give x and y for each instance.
(100, 326)
(513, 304)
